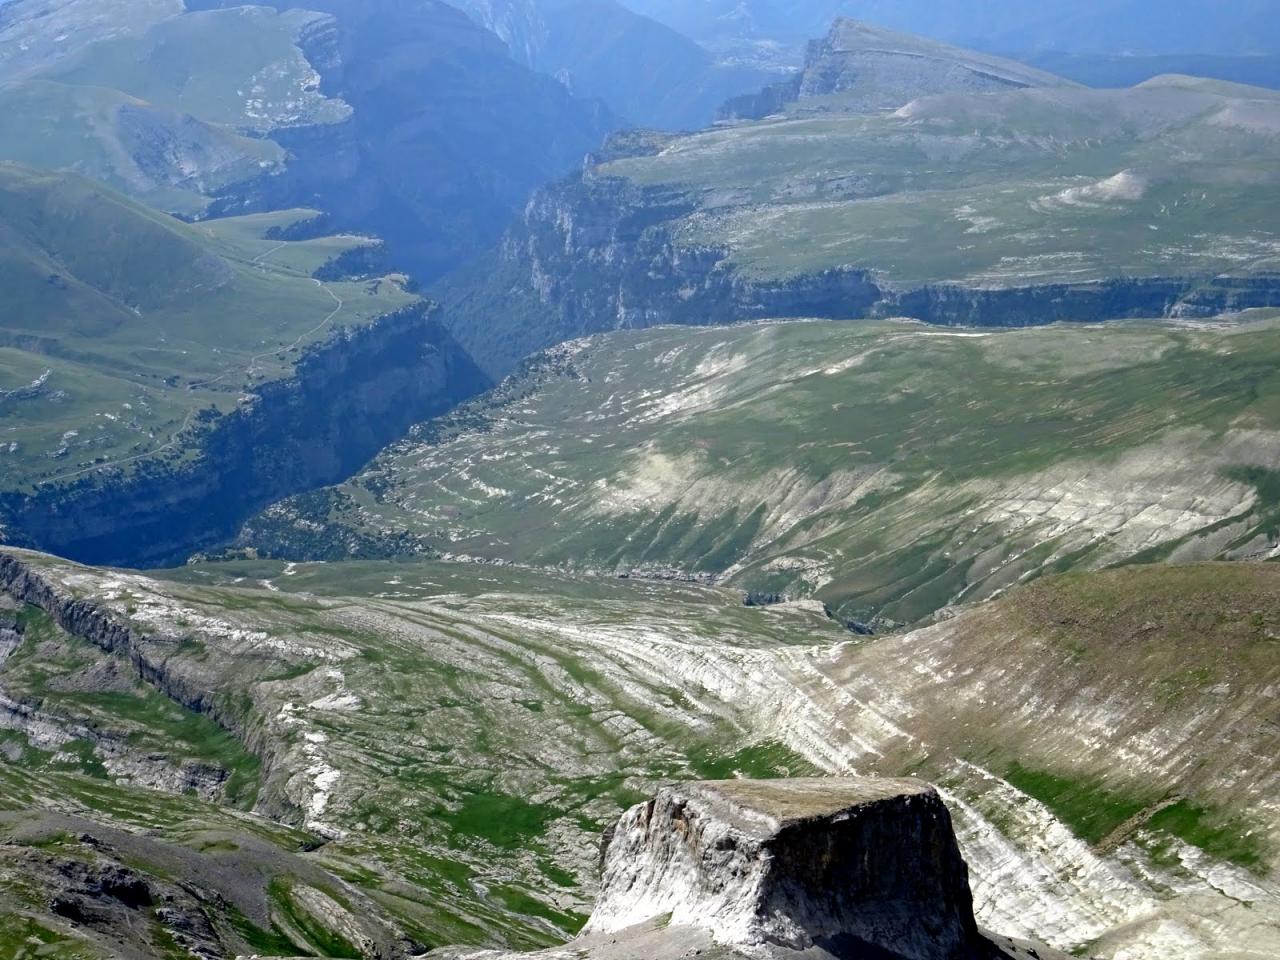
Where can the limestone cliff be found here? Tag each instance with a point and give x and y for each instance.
(847, 869)
(595, 253)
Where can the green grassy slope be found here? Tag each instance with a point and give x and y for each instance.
(141, 321)
(887, 469)
(1171, 178)
(169, 106)
(240, 67)
(170, 160)
(37, 36)
(462, 733)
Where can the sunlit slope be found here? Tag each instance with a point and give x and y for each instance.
(1176, 177)
(455, 739)
(889, 470)
(119, 323)
(242, 67)
(170, 160)
(460, 734)
(167, 106)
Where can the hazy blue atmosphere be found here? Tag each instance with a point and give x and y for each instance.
(639, 479)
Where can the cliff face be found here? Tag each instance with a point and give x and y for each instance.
(831, 869)
(907, 178)
(596, 253)
(349, 398)
(848, 866)
(593, 254)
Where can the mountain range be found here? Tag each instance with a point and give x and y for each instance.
(992, 195)
(915, 420)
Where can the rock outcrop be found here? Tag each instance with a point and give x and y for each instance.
(847, 869)
(876, 69)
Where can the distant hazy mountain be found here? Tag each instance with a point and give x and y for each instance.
(644, 70)
(776, 29)
(1118, 70)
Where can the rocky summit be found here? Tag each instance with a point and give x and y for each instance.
(842, 868)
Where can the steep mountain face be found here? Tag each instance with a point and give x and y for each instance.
(461, 735)
(646, 72)
(520, 24)
(888, 470)
(797, 865)
(160, 380)
(870, 68)
(1029, 206)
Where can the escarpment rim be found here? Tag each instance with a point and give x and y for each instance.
(761, 808)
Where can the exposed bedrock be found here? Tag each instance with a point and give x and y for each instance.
(845, 869)
(191, 683)
(349, 398)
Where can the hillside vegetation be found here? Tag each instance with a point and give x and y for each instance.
(1174, 177)
(122, 327)
(888, 469)
(900, 177)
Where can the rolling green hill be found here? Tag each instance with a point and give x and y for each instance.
(171, 161)
(242, 68)
(453, 738)
(887, 469)
(166, 106)
(144, 321)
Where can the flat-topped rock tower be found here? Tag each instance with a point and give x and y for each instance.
(847, 869)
